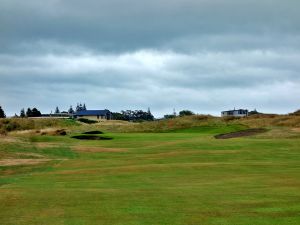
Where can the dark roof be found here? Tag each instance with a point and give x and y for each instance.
(92, 113)
(234, 110)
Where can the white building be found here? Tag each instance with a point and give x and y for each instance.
(235, 113)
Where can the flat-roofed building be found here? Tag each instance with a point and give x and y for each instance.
(235, 113)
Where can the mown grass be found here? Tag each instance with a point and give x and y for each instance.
(180, 177)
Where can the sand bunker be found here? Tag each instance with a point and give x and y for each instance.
(91, 137)
(243, 133)
(93, 132)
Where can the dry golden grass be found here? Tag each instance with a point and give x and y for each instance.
(96, 149)
(255, 121)
(31, 126)
(270, 121)
(22, 124)
(156, 126)
(17, 162)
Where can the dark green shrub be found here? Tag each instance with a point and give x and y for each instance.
(84, 120)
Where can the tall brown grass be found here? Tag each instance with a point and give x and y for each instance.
(271, 120)
(17, 124)
(255, 121)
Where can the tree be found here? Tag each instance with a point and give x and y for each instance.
(56, 110)
(2, 114)
(22, 113)
(29, 112)
(79, 107)
(254, 112)
(130, 115)
(149, 116)
(71, 110)
(186, 113)
(169, 116)
(36, 112)
(117, 116)
(33, 113)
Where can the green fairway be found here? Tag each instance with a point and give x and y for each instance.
(184, 177)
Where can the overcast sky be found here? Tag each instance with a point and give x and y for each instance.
(202, 55)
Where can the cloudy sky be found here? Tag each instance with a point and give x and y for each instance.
(202, 55)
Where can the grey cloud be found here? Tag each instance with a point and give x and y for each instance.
(147, 77)
(126, 25)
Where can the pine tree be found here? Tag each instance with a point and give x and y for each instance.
(77, 108)
(80, 107)
(149, 116)
(56, 110)
(22, 113)
(2, 114)
(28, 112)
(71, 110)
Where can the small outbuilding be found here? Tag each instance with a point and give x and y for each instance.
(235, 113)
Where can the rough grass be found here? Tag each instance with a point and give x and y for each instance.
(174, 177)
(19, 124)
(170, 125)
(271, 120)
(196, 121)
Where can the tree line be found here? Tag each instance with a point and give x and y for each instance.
(181, 113)
(126, 115)
(133, 115)
(34, 112)
(79, 107)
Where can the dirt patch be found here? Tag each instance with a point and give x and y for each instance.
(34, 155)
(297, 129)
(97, 149)
(45, 145)
(243, 133)
(59, 132)
(24, 132)
(17, 162)
(93, 132)
(91, 137)
(9, 139)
